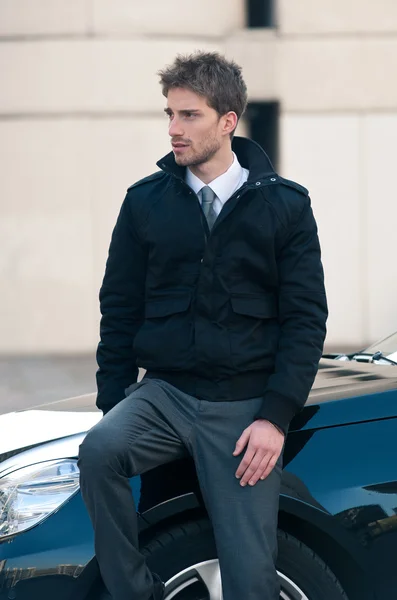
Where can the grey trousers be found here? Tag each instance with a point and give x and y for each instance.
(157, 424)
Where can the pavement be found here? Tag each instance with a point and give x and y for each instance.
(31, 380)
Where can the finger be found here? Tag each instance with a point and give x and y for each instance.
(252, 467)
(246, 461)
(242, 442)
(261, 469)
(270, 467)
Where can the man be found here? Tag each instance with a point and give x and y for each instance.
(214, 285)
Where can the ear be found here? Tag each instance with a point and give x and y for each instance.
(229, 122)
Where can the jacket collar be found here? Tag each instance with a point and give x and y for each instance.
(250, 155)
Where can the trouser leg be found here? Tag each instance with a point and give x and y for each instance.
(141, 432)
(244, 519)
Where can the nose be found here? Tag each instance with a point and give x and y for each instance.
(175, 129)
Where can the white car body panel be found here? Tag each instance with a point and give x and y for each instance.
(26, 428)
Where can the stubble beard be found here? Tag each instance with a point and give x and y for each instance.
(209, 150)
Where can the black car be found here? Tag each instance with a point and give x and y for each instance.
(338, 505)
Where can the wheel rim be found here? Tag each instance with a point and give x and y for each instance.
(207, 576)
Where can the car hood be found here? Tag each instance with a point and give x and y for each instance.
(27, 428)
(338, 379)
(346, 392)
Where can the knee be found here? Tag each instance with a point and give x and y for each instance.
(98, 451)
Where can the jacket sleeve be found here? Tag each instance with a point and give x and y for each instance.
(302, 317)
(122, 304)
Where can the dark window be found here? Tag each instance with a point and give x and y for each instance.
(260, 13)
(262, 120)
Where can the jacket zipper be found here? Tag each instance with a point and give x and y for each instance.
(240, 190)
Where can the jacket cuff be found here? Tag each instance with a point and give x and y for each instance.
(277, 409)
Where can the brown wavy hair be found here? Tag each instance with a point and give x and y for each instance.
(210, 75)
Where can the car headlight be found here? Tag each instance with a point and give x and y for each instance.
(30, 494)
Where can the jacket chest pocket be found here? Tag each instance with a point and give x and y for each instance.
(259, 306)
(253, 330)
(165, 340)
(164, 306)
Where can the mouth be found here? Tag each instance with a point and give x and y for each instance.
(179, 147)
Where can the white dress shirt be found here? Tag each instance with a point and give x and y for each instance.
(223, 186)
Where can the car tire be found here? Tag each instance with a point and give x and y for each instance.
(180, 551)
(307, 570)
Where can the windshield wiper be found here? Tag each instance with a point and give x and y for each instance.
(377, 356)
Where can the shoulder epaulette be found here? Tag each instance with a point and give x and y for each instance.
(294, 185)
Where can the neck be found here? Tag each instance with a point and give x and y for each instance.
(214, 167)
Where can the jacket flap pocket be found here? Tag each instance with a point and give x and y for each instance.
(261, 306)
(166, 305)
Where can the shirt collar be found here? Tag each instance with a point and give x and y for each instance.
(223, 186)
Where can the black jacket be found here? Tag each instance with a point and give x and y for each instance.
(233, 314)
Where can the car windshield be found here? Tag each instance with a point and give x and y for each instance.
(388, 347)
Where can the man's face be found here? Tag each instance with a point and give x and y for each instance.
(194, 127)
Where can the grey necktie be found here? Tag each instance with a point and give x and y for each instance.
(207, 203)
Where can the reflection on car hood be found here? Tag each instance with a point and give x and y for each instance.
(347, 392)
(30, 427)
(338, 379)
